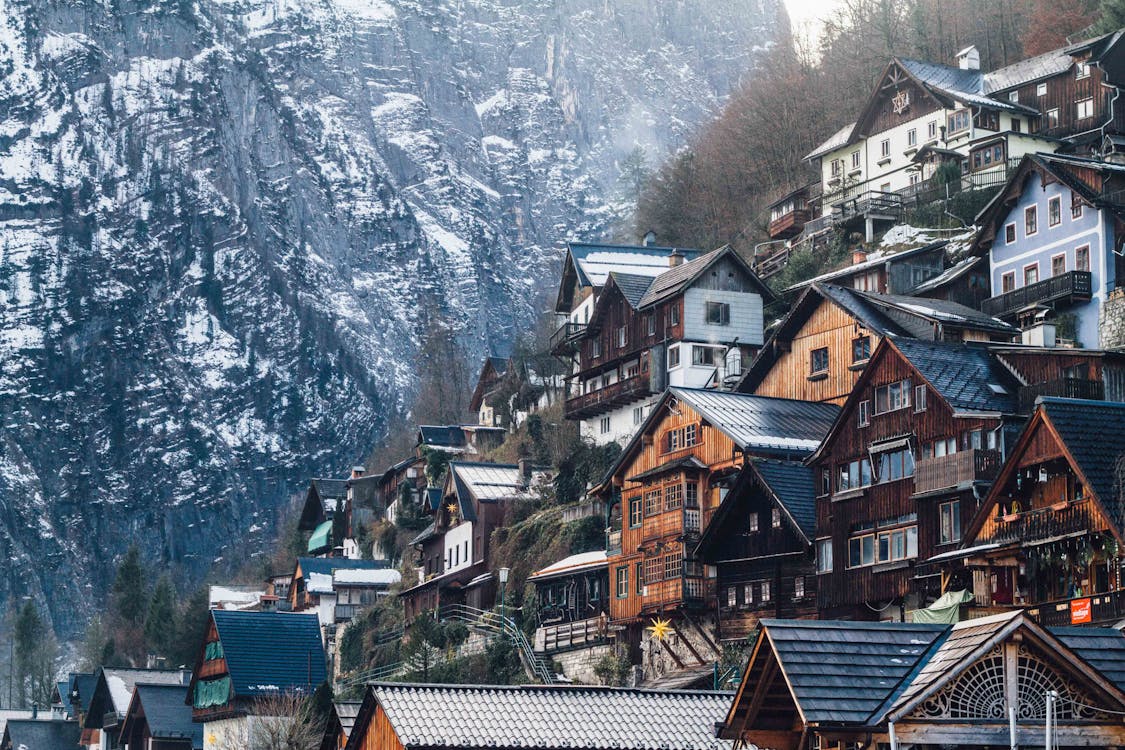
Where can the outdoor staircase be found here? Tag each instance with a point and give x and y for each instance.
(493, 623)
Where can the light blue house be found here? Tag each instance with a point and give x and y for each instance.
(1053, 237)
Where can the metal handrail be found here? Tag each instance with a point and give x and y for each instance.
(494, 622)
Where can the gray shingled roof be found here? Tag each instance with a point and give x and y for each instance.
(842, 672)
(346, 711)
(330, 488)
(1101, 648)
(469, 716)
(870, 316)
(1094, 433)
(167, 714)
(593, 262)
(963, 375)
(632, 287)
(794, 486)
(42, 734)
(762, 424)
(940, 311)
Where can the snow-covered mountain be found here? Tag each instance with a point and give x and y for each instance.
(226, 224)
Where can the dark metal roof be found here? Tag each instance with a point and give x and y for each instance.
(632, 287)
(433, 497)
(427, 533)
(794, 487)
(592, 259)
(271, 652)
(675, 280)
(684, 462)
(330, 488)
(940, 311)
(1094, 433)
(842, 672)
(84, 683)
(963, 375)
(42, 734)
(167, 714)
(949, 275)
(532, 716)
(441, 436)
(763, 425)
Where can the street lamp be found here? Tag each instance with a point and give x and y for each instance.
(503, 586)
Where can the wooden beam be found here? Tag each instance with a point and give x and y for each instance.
(671, 653)
(690, 647)
(773, 739)
(703, 634)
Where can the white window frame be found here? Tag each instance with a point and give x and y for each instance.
(1041, 89)
(673, 357)
(855, 160)
(863, 413)
(912, 137)
(1053, 259)
(775, 518)
(952, 510)
(919, 398)
(1077, 265)
(1084, 108)
(765, 592)
(1056, 202)
(1038, 277)
(885, 147)
(824, 561)
(1081, 70)
(931, 129)
(1014, 96)
(1005, 275)
(798, 587)
(1034, 212)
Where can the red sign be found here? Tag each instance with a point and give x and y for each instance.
(1080, 611)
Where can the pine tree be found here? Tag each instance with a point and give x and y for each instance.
(160, 622)
(129, 589)
(190, 622)
(1111, 16)
(35, 652)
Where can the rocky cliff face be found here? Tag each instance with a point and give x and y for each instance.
(226, 224)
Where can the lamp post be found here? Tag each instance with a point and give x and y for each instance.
(503, 572)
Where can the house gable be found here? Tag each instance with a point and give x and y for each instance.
(898, 98)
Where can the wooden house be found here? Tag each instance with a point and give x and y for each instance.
(401, 484)
(338, 588)
(662, 492)
(894, 271)
(33, 734)
(159, 719)
(989, 682)
(323, 500)
(818, 351)
(760, 540)
(248, 661)
(790, 212)
(1049, 535)
(923, 430)
(453, 553)
(492, 374)
(339, 725)
(112, 693)
(694, 325)
(463, 440)
(571, 602)
(535, 717)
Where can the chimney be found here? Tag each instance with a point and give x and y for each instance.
(649, 238)
(858, 256)
(35, 710)
(968, 59)
(357, 472)
(1039, 332)
(525, 473)
(675, 259)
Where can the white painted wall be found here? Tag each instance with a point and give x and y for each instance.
(456, 539)
(746, 319)
(622, 423)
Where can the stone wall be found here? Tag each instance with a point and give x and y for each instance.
(578, 664)
(1111, 320)
(685, 642)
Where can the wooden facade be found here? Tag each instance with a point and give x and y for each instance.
(373, 731)
(764, 560)
(867, 480)
(830, 327)
(211, 666)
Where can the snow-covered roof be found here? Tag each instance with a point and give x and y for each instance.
(384, 576)
(835, 141)
(318, 583)
(491, 482)
(234, 597)
(594, 263)
(572, 564)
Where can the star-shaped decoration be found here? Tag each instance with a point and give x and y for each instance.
(660, 628)
(452, 508)
(901, 101)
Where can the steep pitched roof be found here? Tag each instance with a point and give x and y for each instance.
(873, 259)
(1094, 435)
(949, 275)
(492, 482)
(762, 424)
(632, 287)
(445, 437)
(270, 652)
(1101, 648)
(41, 734)
(675, 280)
(1040, 66)
(533, 716)
(115, 687)
(940, 311)
(965, 375)
(167, 715)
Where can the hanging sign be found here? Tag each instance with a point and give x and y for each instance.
(901, 101)
(1080, 613)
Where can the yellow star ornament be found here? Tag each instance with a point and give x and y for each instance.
(452, 508)
(660, 628)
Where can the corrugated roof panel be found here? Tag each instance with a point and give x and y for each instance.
(595, 262)
(761, 424)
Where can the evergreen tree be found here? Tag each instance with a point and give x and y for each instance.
(160, 622)
(1111, 16)
(129, 589)
(35, 652)
(190, 623)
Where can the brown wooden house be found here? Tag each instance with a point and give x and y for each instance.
(820, 348)
(761, 542)
(662, 492)
(1049, 535)
(922, 432)
(982, 683)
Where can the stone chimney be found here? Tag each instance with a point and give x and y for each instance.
(968, 59)
(649, 238)
(858, 256)
(1039, 331)
(675, 259)
(525, 473)
(358, 471)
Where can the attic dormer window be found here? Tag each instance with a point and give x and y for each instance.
(1082, 70)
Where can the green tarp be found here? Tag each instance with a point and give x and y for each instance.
(945, 611)
(210, 693)
(213, 650)
(321, 538)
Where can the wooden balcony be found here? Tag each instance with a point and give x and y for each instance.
(869, 203)
(1104, 608)
(569, 635)
(1061, 290)
(346, 612)
(1058, 520)
(1093, 390)
(675, 592)
(789, 225)
(604, 399)
(565, 339)
(957, 470)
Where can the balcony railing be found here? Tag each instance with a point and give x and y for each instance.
(1093, 390)
(1072, 286)
(1102, 608)
(955, 470)
(565, 339)
(789, 224)
(609, 397)
(1057, 520)
(571, 634)
(692, 520)
(346, 612)
(869, 202)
